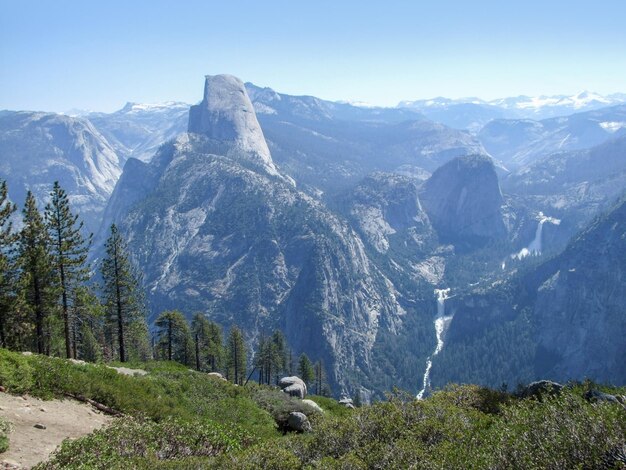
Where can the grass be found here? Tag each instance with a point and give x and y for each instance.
(177, 418)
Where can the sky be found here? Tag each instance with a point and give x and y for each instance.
(98, 55)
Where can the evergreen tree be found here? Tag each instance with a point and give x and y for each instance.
(37, 280)
(236, 356)
(69, 253)
(87, 314)
(320, 378)
(305, 369)
(271, 357)
(7, 266)
(208, 343)
(90, 348)
(173, 336)
(122, 296)
(279, 354)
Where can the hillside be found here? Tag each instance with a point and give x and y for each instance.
(177, 418)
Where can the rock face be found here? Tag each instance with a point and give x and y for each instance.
(463, 200)
(226, 116)
(215, 230)
(293, 386)
(386, 206)
(37, 149)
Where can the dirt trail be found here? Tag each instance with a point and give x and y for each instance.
(62, 419)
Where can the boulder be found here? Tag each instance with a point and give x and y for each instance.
(313, 405)
(217, 375)
(293, 386)
(596, 396)
(299, 422)
(347, 402)
(540, 388)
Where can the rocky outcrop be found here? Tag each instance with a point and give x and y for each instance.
(386, 206)
(227, 118)
(293, 386)
(463, 200)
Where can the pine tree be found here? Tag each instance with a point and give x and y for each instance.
(121, 293)
(87, 312)
(208, 342)
(37, 280)
(174, 336)
(279, 354)
(69, 252)
(305, 369)
(320, 377)
(7, 266)
(236, 356)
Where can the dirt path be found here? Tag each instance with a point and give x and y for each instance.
(62, 419)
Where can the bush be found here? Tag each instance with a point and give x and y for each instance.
(142, 443)
(5, 429)
(16, 374)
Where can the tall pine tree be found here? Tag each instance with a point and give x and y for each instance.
(208, 341)
(69, 250)
(37, 279)
(122, 296)
(7, 267)
(236, 356)
(174, 337)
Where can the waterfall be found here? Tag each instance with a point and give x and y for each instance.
(535, 246)
(442, 322)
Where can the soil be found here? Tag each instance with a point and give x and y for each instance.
(62, 419)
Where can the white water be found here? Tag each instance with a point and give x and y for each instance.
(535, 246)
(442, 322)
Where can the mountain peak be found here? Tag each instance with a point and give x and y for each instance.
(226, 115)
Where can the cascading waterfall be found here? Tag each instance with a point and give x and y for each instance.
(535, 246)
(442, 322)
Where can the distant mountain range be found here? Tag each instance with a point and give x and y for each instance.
(473, 113)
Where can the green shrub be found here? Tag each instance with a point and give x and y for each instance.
(141, 443)
(5, 429)
(15, 372)
(559, 432)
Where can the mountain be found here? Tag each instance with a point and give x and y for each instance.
(37, 149)
(137, 129)
(521, 142)
(463, 200)
(331, 146)
(542, 107)
(217, 228)
(571, 186)
(561, 320)
(473, 113)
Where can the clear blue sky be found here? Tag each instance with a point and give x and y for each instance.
(62, 54)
